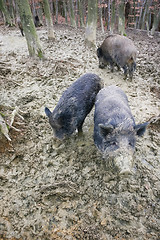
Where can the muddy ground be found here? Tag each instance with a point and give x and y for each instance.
(64, 190)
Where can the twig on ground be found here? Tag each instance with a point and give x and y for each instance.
(3, 126)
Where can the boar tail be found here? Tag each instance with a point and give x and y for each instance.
(131, 60)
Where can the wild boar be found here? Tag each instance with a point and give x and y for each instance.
(74, 105)
(120, 51)
(115, 129)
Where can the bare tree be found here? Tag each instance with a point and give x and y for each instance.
(33, 8)
(145, 14)
(127, 11)
(121, 19)
(141, 14)
(81, 13)
(6, 14)
(33, 43)
(156, 21)
(109, 15)
(100, 15)
(48, 18)
(56, 11)
(11, 10)
(72, 15)
(40, 11)
(90, 33)
(112, 25)
(65, 11)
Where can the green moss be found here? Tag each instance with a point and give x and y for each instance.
(2, 114)
(40, 54)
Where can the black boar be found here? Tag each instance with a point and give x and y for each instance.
(118, 50)
(37, 22)
(74, 105)
(115, 129)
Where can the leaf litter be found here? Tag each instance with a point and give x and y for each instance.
(64, 190)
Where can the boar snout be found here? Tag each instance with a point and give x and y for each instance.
(124, 164)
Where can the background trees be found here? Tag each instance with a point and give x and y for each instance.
(142, 13)
(33, 43)
(48, 19)
(121, 18)
(5, 13)
(90, 35)
(111, 15)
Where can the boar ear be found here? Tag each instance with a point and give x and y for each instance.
(141, 128)
(105, 129)
(47, 111)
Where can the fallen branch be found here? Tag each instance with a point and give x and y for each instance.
(17, 130)
(154, 119)
(4, 128)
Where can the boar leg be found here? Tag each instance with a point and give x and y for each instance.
(112, 66)
(118, 67)
(125, 71)
(131, 70)
(80, 131)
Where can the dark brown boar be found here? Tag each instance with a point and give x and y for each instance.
(120, 51)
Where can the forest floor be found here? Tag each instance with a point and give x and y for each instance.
(64, 190)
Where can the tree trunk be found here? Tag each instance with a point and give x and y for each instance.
(140, 16)
(137, 18)
(40, 12)
(121, 22)
(73, 21)
(127, 12)
(51, 7)
(14, 11)
(105, 14)
(109, 15)
(69, 10)
(145, 13)
(81, 13)
(84, 7)
(77, 16)
(48, 18)
(11, 11)
(148, 16)
(65, 11)
(34, 9)
(90, 33)
(112, 16)
(34, 46)
(100, 15)
(56, 11)
(156, 22)
(134, 13)
(5, 12)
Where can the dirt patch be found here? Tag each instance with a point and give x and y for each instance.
(64, 190)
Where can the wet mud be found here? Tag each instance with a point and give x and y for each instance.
(64, 190)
